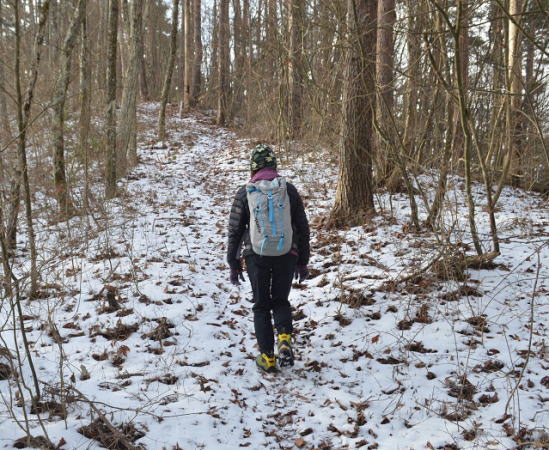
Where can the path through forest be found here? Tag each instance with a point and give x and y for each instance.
(146, 310)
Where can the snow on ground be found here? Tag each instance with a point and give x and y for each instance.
(152, 332)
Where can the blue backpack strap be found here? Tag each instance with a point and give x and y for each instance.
(263, 242)
(281, 215)
(271, 213)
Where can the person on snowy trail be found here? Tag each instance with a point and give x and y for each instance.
(268, 223)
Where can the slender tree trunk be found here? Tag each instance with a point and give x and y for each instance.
(197, 62)
(110, 175)
(4, 117)
(188, 55)
(64, 203)
(85, 105)
(238, 66)
(15, 176)
(514, 144)
(169, 72)
(223, 64)
(11, 226)
(5, 256)
(271, 39)
(440, 192)
(296, 10)
(386, 16)
(247, 54)
(444, 132)
(23, 119)
(464, 120)
(213, 77)
(412, 75)
(354, 195)
(143, 84)
(463, 44)
(127, 148)
(123, 27)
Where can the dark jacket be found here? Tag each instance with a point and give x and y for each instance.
(239, 238)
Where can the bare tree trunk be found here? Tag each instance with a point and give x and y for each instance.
(169, 72)
(15, 177)
(213, 76)
(441, 68)
(223, 64)
(196, 85)
(514, 144)
(464, 120)
(110, 175)
(23, 119)
(4, 117)
(14, 181)
(66, 208)
(238, 67)
(386, 16)
(127, 148)
(143, 84)
(412, 72)
(5, 256)
(296, 10)
(85, 105)
(123, 27)
(354, 195)
(271, 39)
(463, 43)
(188, 55)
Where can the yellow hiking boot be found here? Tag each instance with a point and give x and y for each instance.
(285, 353)
(267, 363)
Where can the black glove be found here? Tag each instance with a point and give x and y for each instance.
(236, 275)
(301, 273)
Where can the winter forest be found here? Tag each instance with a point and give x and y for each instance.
(415, 132)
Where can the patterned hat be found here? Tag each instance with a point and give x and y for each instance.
(262, 156)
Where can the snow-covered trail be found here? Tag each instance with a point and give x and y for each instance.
(175, 354)
(145, 307)
(216, 367)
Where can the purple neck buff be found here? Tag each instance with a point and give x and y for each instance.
(267, 173)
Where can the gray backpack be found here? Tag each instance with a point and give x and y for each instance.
(270, 219)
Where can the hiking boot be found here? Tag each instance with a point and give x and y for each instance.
(285, 353)
(266, 362)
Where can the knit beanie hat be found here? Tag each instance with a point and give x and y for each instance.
(262, 156)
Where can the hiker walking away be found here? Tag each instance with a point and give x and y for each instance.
(269, 224)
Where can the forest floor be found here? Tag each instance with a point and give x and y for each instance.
(139, 321)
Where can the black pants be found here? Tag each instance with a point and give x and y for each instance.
(271, 280)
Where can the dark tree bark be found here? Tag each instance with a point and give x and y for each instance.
(188, 55)
(223, 64)
(85, 104)
(296, 11)
(110, 176)
(196, 84)
(354, 195)
(239, 52)
(143, 83)
(169, 72)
